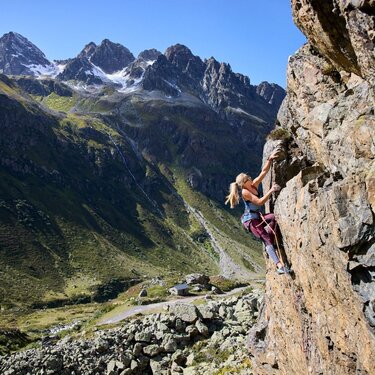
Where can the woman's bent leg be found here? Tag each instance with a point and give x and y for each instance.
(271, 221)
(257, 227)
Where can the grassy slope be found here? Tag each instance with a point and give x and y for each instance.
(53, 237)
(58, 242)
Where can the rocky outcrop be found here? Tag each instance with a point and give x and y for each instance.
(80, 69)
(321, 320)
(349, 45)
(272, 93)
(43, 87)
(187, 339)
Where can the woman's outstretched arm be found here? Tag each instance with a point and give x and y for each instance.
(266, 168)
(259, 201)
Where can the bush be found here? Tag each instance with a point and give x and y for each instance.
(279, 134)
(200, 235)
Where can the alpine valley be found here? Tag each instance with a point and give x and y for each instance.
(114, 170)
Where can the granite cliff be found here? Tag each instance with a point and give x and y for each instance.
(321, 319)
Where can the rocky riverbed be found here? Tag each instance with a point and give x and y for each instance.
(185, 339)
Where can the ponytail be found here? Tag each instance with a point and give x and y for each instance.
(233, 197)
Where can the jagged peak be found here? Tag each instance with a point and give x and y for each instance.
(88, 50)
(108, 43)
(92, 48)
(225, 68)
(212, 62)
(269, 84)
(178, 48)
(19, 56)
(19, 41)
(149, 54)
(12, 35)
(271, 93)
(178, 52)
(109, 56)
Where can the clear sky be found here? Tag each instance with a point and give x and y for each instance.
(254, 36)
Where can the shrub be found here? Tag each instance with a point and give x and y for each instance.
(279, 134)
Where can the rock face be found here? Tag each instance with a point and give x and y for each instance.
(349, 45)
(322, 319)
(109, 57)
(80, 69)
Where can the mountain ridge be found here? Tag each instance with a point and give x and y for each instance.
(106, 63)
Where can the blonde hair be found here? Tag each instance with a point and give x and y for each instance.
(233, 198)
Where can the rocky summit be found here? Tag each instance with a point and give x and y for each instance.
(19, 56)
(321, 319)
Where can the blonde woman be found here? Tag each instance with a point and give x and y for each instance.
(251, 219)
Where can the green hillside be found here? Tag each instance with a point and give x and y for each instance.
(94, 190)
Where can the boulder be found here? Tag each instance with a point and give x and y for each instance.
(169, 343)
(202, 328)
(144, 336)
(186, 312)
(152, 350)
(142, 293)
(197, 278)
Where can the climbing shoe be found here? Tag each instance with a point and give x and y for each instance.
(284, 269)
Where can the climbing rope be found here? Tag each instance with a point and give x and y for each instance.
(275, 236)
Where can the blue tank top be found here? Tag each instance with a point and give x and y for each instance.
(251, 211)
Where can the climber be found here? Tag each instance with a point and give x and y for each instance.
(262, 226)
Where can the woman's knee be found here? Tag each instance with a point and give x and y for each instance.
(270, 217)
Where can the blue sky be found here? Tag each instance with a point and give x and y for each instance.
(254, 36)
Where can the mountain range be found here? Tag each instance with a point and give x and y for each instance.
(116, 167)
(174, 72)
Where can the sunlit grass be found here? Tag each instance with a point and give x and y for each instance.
(59, 103)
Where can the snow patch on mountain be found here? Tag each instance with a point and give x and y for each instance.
(42, 71)
(122, 79)
(241, 111)
(173, 85)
